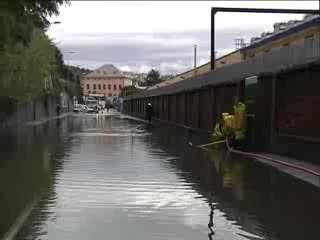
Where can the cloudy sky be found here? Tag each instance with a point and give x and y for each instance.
(137, 36)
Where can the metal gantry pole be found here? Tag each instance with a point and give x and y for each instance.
(212, 59)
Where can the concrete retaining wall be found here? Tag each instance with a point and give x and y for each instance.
(35, 110)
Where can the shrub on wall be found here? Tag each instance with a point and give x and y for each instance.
(7, 105)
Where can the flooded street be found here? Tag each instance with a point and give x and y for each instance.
(116, 178)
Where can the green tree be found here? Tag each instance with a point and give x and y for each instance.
(153, 77)
(27, 56)
(27, 67)
(19, 17)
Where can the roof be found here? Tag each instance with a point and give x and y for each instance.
(180, 77)
(310, 22)
(107, 70)
(208, 63)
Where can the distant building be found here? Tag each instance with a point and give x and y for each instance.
(106, 80)
(135, 77)
(292, 33)
(128, 82)
(228, 59)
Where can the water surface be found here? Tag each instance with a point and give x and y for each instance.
(115, 178)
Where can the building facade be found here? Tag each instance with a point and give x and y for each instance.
(304, 33)
(292, 33)
(106, 80)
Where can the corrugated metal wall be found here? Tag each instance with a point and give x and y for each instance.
(199, 109)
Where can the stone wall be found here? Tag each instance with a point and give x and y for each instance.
(35, 110)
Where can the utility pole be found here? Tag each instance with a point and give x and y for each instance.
(195, 60)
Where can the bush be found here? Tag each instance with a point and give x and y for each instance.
(233, 125)
(7, 105)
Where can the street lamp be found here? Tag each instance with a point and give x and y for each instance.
(71, 52)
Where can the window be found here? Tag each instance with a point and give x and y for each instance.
(120, 86)
(104, 86)
(110, 95)
(114, 87)
(88, 86)
(109, 86)
(267, 51)
(99, 86)
(94, 86)
(252, 55)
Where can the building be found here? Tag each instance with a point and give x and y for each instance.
(128, 82)
(291, 33)
(228, 59)
(231, 58)
(106, 80)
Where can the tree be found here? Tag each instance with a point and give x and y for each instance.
(28, 58)
(153, 77)
(27, 67)
(19, 17)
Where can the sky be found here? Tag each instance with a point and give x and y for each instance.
(140, 35)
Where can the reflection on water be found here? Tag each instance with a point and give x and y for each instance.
(210, 224)
(112, 178)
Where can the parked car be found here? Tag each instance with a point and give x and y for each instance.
(83, 108)
(90, 110)
(92, 103)
(78, 108)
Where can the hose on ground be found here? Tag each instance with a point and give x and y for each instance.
(253, 155)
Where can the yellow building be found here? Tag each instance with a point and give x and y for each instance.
(304, 33)
(231, 58)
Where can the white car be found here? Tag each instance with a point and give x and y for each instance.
(89, 110)
(83, 108)
(78, 108)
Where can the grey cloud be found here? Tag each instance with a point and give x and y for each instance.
(170, 52)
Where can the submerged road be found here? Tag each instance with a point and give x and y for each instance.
(111, 177)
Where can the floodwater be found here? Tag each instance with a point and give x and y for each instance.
(115, 178)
